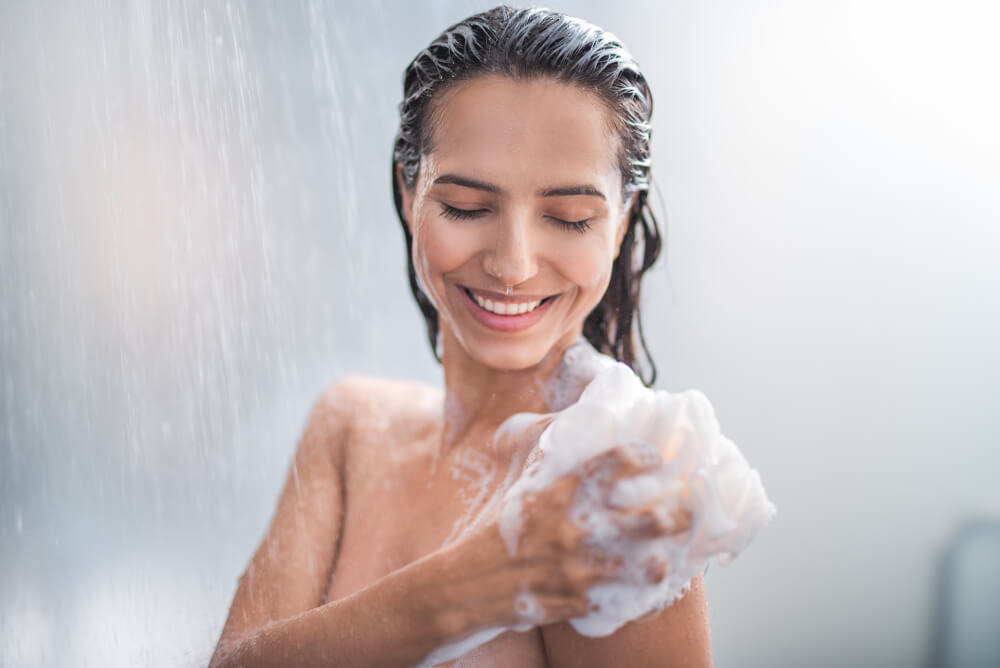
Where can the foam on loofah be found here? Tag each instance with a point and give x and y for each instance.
(689, 465)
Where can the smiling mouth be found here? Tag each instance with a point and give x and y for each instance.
(506, 307)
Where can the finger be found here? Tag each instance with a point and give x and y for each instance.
(561, 608)
(656, 570)
(624, 460)
(600, 462)
(563, 490)
(603, 568)
(602, 564)
(529, 608)
(652, 521)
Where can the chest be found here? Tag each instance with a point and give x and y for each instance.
(405, 504)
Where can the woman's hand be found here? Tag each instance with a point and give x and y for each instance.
(555, 561)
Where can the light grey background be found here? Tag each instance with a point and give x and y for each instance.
(197, 237)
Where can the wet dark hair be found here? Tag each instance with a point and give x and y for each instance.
(529, 44)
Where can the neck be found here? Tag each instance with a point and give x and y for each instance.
(480, 397)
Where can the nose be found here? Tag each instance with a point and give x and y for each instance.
(512, 259)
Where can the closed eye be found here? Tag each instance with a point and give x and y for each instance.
(575, 225)
(468, 214)
(461, 214)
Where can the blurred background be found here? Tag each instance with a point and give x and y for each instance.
(197, 237)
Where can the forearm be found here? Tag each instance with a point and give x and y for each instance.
(395, 621)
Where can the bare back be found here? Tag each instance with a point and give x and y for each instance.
(402, 502)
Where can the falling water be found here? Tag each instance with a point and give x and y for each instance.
(197, 236)
(190, 214)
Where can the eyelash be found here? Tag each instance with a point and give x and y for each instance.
(468, 214)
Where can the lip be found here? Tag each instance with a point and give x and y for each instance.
(504, 323)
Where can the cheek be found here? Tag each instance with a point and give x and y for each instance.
(438, 248)
(589, 266)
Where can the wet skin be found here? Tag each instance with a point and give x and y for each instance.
(519, 200)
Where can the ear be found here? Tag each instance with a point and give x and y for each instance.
(406, 197)
(623, 223)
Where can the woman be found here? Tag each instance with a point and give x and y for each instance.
(520, 175)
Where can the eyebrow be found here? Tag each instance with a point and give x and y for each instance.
(562, 191)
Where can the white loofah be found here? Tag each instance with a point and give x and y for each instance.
(701, 471)
(692, 466)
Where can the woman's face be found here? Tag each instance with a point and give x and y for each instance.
(516, 216)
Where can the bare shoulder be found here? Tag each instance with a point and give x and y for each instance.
(363, 407)
(360, 397)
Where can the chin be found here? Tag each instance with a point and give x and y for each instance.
(507, 355)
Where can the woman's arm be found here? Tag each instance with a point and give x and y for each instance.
(396, 621)
(291, 567)
(278, 616)
(676, 637)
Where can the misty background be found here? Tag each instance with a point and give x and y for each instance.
(197, 237)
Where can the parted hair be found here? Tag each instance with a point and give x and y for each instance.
(532, 43)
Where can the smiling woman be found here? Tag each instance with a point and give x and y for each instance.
(510, 209)
(597, 119)
(520, 175)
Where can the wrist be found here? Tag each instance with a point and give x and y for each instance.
(470, 588)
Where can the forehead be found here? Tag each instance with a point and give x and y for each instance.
(523, 132)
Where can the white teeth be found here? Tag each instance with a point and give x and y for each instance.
(501, 308)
